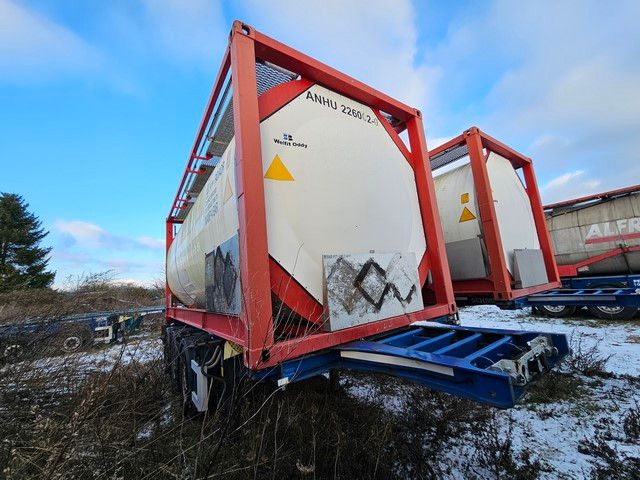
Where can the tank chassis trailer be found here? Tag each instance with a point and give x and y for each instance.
(304, 238)
(498, 261)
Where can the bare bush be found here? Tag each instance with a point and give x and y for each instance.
(587, 360)
(631, 423)
(555, 387)
(496, 455)
(610, 463)
(83, 294)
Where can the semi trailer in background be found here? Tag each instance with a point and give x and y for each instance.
(305, 238)
(496, 238)
(69, 333)
(596, 239)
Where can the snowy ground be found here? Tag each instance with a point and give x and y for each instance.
(619, 340)
(142, 347)
(555, 433)
(62, 374)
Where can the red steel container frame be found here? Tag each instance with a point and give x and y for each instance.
(499, 284)
(260, 276)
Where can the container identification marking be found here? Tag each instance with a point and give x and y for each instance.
(288, 141)
(341, 107)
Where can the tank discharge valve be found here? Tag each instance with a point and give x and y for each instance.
(530, 363)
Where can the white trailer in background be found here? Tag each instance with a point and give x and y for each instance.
(596, 239)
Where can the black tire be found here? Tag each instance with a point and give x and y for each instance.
(613, 313)
(557, 311)
(71, 338)
(168, 334)
(235, 386)
(334, 381)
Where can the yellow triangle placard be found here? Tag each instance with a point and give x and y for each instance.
(466, 215)
(277, 171)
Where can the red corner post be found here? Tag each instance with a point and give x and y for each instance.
(437, 255)
(499, 273)
(254, 257)
(544, 238)
(168, 299)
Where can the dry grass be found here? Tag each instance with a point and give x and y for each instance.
(91, 293)
(76, 416)
(123, 423)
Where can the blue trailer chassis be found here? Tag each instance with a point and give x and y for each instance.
(603, 291)
(622, 281)
(603, 297)
(486, 365)
(92, 322)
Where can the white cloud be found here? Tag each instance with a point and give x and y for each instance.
(546, 140)
(92, 236)
(135, 282)
(563, 179)
(372, 41)
(433, 142)
(77, 262)
(33, 46)
(87, 234)
(155, 243)
(188, 31)
(557, 79)
(569, 185)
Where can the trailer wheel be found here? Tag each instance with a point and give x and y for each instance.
(556, 311)
(613, 313)
(71, 338)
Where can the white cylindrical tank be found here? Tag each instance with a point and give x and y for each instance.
(335, 183)
(461, 221)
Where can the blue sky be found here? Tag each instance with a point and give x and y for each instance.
(100, 100)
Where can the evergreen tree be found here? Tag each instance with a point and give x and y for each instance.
(23, 262)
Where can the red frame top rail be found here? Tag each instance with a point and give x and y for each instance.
(595, 196)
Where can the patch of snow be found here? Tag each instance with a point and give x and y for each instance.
(555, 432)
(363, 389)
(612, 339)
(60, 374)
(156, 425)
